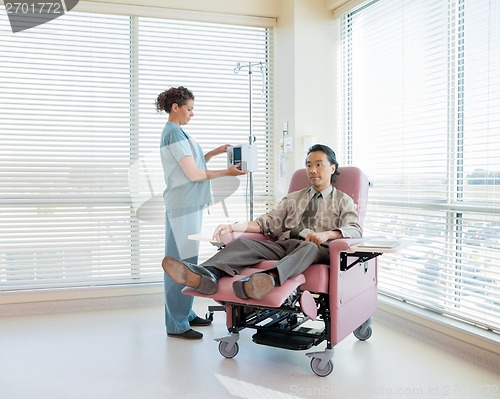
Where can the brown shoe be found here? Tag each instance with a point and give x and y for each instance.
(193, 276)
(255, 286)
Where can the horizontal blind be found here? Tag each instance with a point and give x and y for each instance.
(78, 122)
(423, 89)
(204, 58)
(64, 153)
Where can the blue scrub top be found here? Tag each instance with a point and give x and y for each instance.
(180, 191)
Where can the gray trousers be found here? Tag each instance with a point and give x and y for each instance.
(293, 256)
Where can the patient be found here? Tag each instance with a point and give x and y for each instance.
(301, 222)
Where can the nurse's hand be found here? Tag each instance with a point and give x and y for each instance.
(234, 171)
(219, 150)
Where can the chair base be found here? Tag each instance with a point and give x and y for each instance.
(283, 340)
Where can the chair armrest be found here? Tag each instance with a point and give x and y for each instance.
(227, 238)
(343, 244)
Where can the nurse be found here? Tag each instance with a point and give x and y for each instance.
(187, 193)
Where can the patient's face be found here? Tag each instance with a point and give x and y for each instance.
(319, 170)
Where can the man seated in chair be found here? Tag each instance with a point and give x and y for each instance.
(301, 222)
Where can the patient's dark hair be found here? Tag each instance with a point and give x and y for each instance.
(175, 95)
(331, 158)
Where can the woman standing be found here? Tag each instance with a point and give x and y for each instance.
(187, 193)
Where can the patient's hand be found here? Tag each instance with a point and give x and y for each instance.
(324, 236)
(318, 238)
(222, 229)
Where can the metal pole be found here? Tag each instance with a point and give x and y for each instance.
(250, 137)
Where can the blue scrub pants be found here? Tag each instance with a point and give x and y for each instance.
(179, 223)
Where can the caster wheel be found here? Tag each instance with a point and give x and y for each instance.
(362, 337)
(228, 353)
(209, 316)
(322, 372)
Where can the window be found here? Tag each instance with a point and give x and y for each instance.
(422, 118)
(78, 119)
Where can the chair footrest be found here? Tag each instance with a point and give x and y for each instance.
(283, 340)
(274, 299)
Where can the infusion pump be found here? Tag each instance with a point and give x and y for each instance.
(244, 154)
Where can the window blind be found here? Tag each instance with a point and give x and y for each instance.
(422, 95)
(78, 120)
(204, 58)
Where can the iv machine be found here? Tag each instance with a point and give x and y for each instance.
(243, 154)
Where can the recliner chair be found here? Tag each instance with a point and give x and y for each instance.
(340, 297)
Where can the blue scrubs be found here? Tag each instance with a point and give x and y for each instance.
(184, 203)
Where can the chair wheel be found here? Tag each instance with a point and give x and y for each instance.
(209, 316)
(362, 336)
(322, 372)
(228, 353)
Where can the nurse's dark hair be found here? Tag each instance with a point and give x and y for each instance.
(175, 95)
(330, 154)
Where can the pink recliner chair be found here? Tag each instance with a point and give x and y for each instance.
(341, 297)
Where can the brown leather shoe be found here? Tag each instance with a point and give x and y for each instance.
(255, 286)
(193, 276)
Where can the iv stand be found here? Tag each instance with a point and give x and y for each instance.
(251, 138)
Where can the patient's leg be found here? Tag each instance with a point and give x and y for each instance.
(299, 258)
(242, 253)
(216, 272)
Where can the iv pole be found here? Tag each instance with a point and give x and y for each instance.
(251, 138)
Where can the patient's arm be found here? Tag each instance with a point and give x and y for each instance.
(248, 227)
(322, 237)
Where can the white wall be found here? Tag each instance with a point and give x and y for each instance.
(304, 79)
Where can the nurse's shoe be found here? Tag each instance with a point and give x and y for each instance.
(189, 334)
(199, 322)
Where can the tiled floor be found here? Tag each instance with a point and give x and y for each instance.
(125, 354)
